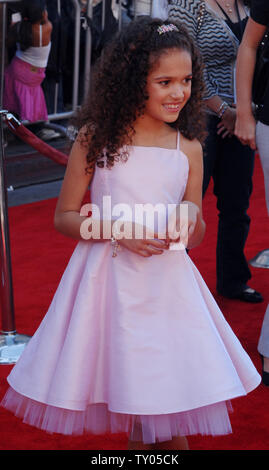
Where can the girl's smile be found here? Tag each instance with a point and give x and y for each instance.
(169, 86)
(172, 108)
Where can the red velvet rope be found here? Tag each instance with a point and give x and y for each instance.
(28, 137)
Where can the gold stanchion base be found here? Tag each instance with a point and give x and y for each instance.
(11, 347)
(261, 260)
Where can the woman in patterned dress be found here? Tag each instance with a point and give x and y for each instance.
(217, 27)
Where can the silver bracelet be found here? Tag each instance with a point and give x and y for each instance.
(223, 107)
(115, 246)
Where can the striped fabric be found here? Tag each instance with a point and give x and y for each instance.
(217, 43)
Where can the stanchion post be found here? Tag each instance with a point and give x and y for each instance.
(6, 289)
(88, 49)
(11, 343)
(76, 54)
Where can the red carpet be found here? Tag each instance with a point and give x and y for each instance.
(39, 256)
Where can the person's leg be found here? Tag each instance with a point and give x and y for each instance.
(139, 445)
(263, 347)
(232, 187)
(263, 344)
(262, 136)
(210, 151)
(136, 441)
(177, 443)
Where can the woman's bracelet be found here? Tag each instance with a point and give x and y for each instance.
(223, 107)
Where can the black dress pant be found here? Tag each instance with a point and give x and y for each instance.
(231, 166)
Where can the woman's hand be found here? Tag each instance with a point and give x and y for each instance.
(227, 124)
(245, 130)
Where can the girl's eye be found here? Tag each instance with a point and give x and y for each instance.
(164, 82)
(188, 80)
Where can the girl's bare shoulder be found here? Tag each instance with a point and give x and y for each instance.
(192, 149)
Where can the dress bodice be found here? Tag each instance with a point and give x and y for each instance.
(151, 175)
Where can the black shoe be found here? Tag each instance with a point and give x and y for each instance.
(265, 375)
(247, 295)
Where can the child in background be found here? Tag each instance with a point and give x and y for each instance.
(23, 93)
(133, 340)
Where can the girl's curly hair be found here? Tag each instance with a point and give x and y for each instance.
(118, 94)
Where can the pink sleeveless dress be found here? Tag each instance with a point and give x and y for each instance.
(132, 344)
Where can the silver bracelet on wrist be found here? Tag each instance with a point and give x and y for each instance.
(223, 107)
(115, 246)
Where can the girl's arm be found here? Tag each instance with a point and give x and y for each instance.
(193, 192)
(67, 218)
(245, 123)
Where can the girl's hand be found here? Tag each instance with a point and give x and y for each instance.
(245, 130)
(147, 246)
(143, 247)
(185, 221)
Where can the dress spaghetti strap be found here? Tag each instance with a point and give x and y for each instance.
(178, 140)
(40, 35)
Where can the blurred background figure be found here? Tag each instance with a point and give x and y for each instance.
(160, 9)
(56, 60)
(246, 130)
(131, 9)
(217, 26)
(140, 7)
(255, 136)
(23, 94)
(1, 32)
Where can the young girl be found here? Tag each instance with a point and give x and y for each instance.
(23, 93)
(133, 340)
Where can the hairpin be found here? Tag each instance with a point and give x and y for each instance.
(166, 28)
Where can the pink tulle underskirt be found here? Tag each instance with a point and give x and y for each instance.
(97, 419)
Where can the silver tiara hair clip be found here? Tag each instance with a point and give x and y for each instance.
(166, 28)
